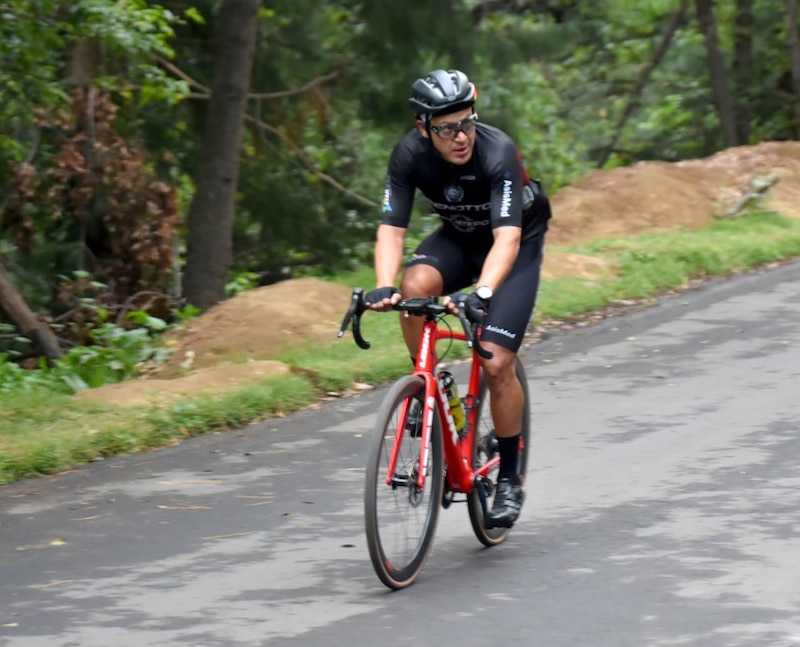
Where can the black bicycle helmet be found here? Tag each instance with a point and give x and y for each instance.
(441, 92)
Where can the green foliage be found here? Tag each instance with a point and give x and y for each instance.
(30, 42)
(71, 432)
(647, 265)
(37, 37)
(241, 282)
(133, 30)
(398, 42)
(566, 297)
(531, 112)
(330, 85)
(186, 313)
(114, 354)
(197, 416)
(14, 378)
(114, 357)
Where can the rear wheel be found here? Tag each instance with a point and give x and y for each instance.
(400, 516)
(484, 448)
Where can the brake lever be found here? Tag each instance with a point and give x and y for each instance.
(471, 330)
(354, 313)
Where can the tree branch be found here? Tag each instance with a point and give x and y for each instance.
(300, 90)
(644, 76)
(308, 163)
(205, 93)
(753, 191)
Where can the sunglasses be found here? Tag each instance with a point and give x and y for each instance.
(450, 131)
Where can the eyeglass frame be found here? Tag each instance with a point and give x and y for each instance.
(466, 126)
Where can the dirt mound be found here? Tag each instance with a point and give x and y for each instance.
(645, 197)
(214, 380)
(259, 324)
(658, 196)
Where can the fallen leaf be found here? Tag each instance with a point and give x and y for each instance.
(52, 584)
(184, 507)
(192, 482)
(233, 534)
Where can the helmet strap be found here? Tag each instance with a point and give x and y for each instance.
(425, 119)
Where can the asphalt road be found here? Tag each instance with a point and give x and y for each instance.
(663, 509)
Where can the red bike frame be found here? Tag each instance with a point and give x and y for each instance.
(458, 447)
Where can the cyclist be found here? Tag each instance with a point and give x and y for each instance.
(493, 222)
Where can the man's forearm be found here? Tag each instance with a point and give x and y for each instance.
(388, 254)
(501, 257)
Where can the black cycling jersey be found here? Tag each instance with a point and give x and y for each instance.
(492, 190)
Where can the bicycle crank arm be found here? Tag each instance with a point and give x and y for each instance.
(484, 488)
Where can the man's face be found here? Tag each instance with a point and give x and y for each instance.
(453, 135)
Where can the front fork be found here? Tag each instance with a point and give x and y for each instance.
(427, 413)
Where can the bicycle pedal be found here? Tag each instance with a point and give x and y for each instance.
(491, 525)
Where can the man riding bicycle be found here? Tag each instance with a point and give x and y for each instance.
(494, 218)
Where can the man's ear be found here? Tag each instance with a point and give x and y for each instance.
(422, 129)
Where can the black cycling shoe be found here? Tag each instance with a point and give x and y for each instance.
(414, 420)
(507, 504)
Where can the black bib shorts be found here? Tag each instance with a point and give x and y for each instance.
(459, 263)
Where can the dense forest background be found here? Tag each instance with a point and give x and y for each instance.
(158, 155)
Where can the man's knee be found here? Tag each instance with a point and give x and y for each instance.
(421, 281)
(502, 365)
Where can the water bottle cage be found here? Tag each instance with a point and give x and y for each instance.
(454, 400)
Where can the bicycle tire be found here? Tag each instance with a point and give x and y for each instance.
(400, 519)
(485, 447)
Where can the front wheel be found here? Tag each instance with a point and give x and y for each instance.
(400, 516)
(484, 448)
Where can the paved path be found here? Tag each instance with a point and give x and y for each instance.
(663, 510)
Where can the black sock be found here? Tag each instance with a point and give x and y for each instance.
(509, 455)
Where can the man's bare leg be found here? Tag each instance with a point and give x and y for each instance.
(417, 281)
(507, 404)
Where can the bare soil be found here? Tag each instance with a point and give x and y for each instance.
(235, 342)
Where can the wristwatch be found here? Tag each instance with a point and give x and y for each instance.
(485, 292)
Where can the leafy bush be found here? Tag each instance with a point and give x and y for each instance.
(114, 358)
(115, 355)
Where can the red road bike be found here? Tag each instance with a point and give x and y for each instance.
(419, 461)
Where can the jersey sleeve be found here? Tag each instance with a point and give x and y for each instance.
(398, 193)
(506, 175)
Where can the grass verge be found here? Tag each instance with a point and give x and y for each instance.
(45, 433)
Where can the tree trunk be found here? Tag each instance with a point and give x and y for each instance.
(12, 303)
(644, 76)
(793, 33)
(723, 99)
(210, 218)
(743, 66)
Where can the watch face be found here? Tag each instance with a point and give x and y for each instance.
(484, 292)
